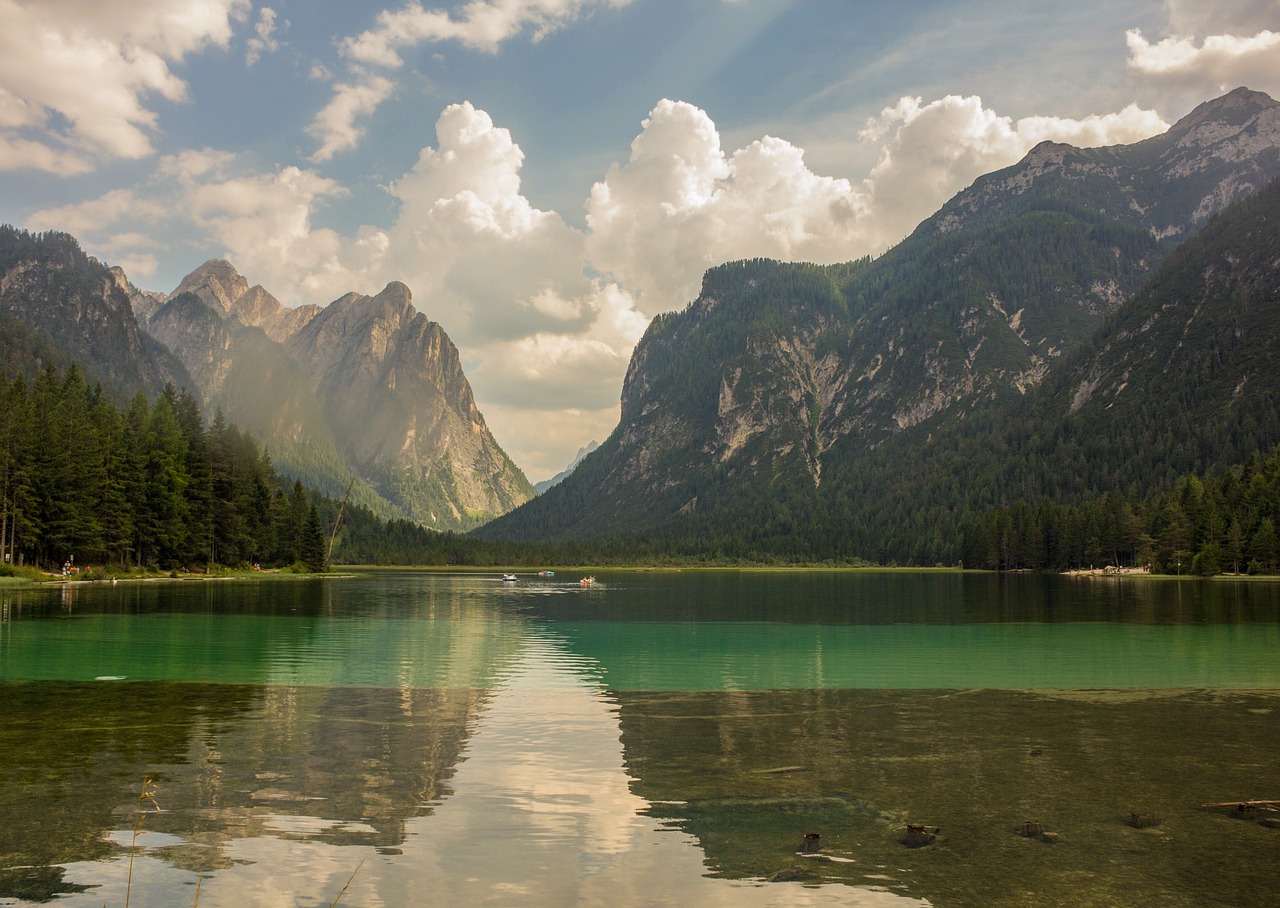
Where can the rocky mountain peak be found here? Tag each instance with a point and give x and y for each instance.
(217, 283)
(395, 303)
(255, 306)
(1239, 105)
(1232, 128)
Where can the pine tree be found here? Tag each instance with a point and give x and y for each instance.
(313, 554)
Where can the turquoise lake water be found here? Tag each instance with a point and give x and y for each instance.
(664, 738)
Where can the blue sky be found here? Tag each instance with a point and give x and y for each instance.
(546, 175)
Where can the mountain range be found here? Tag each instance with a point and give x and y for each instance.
(365, 388)
(858, 409)
(365, 394)
(1083, 322)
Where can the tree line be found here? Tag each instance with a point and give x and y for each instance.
(1223, 522)
(83, 482)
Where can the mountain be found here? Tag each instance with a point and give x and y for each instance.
(365, 390)
(541, 487)
(59, 305)
(392, 387)
(778, 390)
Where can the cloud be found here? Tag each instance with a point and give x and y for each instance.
(681, 204)
(336, 126)
(27, 154)
(264, 39)
(89, 218)
(76, 76)
(1222, 17)
(480, 24)
(508, 281)
(1215, 64)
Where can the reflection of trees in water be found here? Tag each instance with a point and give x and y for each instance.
(749, 773)
(347, 766)
(75, 755)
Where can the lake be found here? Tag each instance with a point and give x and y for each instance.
(662, 738)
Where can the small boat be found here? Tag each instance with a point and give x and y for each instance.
(546, 573)
(508, 578)
(586, 581)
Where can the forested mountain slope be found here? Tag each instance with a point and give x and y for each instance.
(786, 402)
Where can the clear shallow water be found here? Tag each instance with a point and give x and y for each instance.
(661, 739)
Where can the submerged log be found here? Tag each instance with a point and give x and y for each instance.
(1256, 802)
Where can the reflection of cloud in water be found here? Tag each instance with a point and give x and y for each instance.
(543, 814)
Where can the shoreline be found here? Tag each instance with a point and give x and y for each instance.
(55, 580)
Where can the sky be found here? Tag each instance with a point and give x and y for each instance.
(547, 175)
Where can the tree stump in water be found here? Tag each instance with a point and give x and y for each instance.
(919, 835)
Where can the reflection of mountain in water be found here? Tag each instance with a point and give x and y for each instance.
(346, 766)
(747, 774)
(230, 760)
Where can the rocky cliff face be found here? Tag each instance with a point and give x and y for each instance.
(82, 310)
(366, 387)
(775, 369)
(392, 386)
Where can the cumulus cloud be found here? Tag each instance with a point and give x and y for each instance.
(479, 24)
(28, 154)
(91, 217)
(76, 75)
(1208, 47)
(508, 282)
(1215, 64)
(681, 203)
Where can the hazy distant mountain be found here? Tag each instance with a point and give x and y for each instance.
(541, 487)
(393, 390)
(366, 388)
(778, 375)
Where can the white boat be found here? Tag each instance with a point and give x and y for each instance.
(508, 578)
